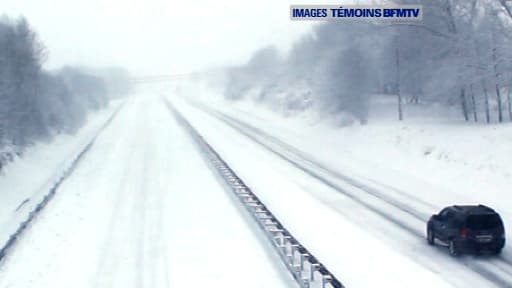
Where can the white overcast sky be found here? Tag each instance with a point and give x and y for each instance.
(158, 36)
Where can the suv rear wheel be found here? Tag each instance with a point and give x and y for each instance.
(430, 237)
(452, 246)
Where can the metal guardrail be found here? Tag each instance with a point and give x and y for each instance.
(305, 268)
(46, 199)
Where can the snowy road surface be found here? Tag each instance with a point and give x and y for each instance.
(142, 210)
(382, 228)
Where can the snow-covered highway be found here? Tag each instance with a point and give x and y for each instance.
(397, 219)
(142, 210)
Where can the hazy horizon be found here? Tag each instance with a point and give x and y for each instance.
(157, 36)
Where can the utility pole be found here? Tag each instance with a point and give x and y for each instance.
(400, 111)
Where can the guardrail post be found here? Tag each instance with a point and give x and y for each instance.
(294, 247)
(326, 279)
(303, 258)
(312, 269)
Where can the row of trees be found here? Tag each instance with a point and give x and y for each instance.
(458, 55)
(36, 104)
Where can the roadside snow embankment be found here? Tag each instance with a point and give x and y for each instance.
(452, 155)
(27, 180)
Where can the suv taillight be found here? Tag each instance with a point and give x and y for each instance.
(464, 232)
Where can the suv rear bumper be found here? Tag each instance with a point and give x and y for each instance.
(470, 245)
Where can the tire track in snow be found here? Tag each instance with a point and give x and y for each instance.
(108, 260)
(160, 249)
(306, 159)
(133, 232)
(140, 207)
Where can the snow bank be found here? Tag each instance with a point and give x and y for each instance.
(24, 182)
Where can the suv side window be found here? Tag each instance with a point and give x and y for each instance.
(446, 214)
(454, 220)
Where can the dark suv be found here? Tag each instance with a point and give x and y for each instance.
(468, 228)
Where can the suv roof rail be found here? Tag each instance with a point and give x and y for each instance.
(486, 207)
(458, 207)
(470, 208)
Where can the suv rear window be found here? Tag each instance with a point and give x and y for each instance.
(486, 221)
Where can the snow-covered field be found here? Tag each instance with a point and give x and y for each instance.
(142, 210)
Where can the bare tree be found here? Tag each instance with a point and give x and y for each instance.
(473, 103)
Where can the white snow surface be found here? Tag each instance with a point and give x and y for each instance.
(427, 163)
(442, 160)
(25, 181)
(142, 210)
